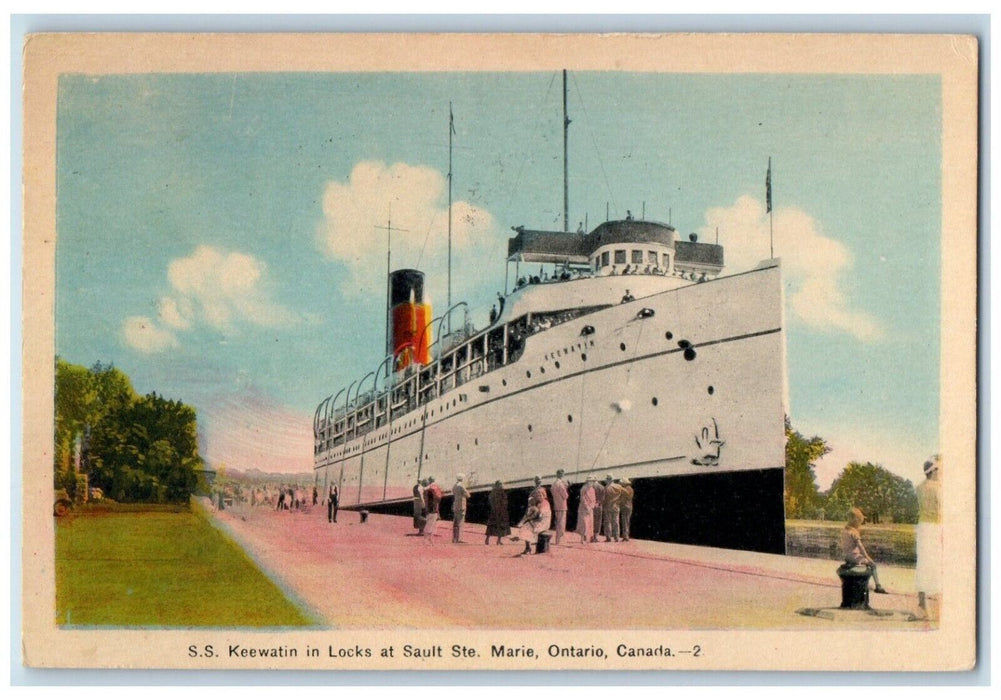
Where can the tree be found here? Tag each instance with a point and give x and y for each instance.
(146, 450)
(879, 493)
(802, 496)
(82, 397)
(74, 401)
(135, 448)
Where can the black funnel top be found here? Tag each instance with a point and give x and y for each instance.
(402, 283)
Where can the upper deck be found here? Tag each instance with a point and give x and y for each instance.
(617, 261)
(617, 247)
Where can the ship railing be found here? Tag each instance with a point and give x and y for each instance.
(484, 352)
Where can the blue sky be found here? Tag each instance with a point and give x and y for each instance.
(218, 240)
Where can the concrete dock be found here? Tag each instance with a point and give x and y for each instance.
(379, 574)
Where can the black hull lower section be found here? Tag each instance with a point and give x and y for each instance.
(730, 510)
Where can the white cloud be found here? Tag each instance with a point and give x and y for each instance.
(221, 288)
(814, 264)
(144, 335)
(211, 287)
(352, 211)
(174, 313)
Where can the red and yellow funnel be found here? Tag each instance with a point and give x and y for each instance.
(410, 335)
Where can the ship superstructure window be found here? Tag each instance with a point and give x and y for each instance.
(637, 257)
(597, 263)
(620, 257)
(604, 259)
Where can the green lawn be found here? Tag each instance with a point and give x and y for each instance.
(161, 569)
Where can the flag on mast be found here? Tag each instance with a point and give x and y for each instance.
(768, 187)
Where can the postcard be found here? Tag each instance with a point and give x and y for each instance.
(486, 352)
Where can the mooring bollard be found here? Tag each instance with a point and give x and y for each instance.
(364, 515)
(543, 544)
(854, 587)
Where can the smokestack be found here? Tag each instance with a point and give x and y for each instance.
(410, 342)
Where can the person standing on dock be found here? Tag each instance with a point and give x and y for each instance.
(599, 509)
(613, 494)
(432, 496)
(316, 496)
(560, 490)
(332, 499)
(585, 511)
(929, 534)
(625, 509)
(498, 522)
(420, 507)
(459, 498)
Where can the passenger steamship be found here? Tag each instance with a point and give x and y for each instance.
(636, 358)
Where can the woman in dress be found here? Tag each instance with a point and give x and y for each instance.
(929, 535)
(537, 518)
(585, 511)
(498, 522)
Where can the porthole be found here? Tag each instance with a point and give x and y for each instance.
(528, 373)
(529, 427)
(542, 370)
(622, 347)
(654, 401)
(669, 335)
(583, 357)
(503, 382)
(456, 447)
(557, 364)
(711, 390)
(476, 441)
(453, 403)
(569, 418)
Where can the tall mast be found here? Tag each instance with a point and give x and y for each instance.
(451, 130)
(566, 130)
(389, 248)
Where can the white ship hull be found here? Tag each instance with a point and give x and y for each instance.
(623, 400)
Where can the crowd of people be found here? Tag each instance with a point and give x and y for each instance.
(567, 274)
(605, 508)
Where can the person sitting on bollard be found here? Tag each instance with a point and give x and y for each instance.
(854, 551)
(537, 518)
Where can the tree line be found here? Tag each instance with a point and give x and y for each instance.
(136, 449)
(880, 494)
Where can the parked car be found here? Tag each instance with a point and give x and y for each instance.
(62, 503)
